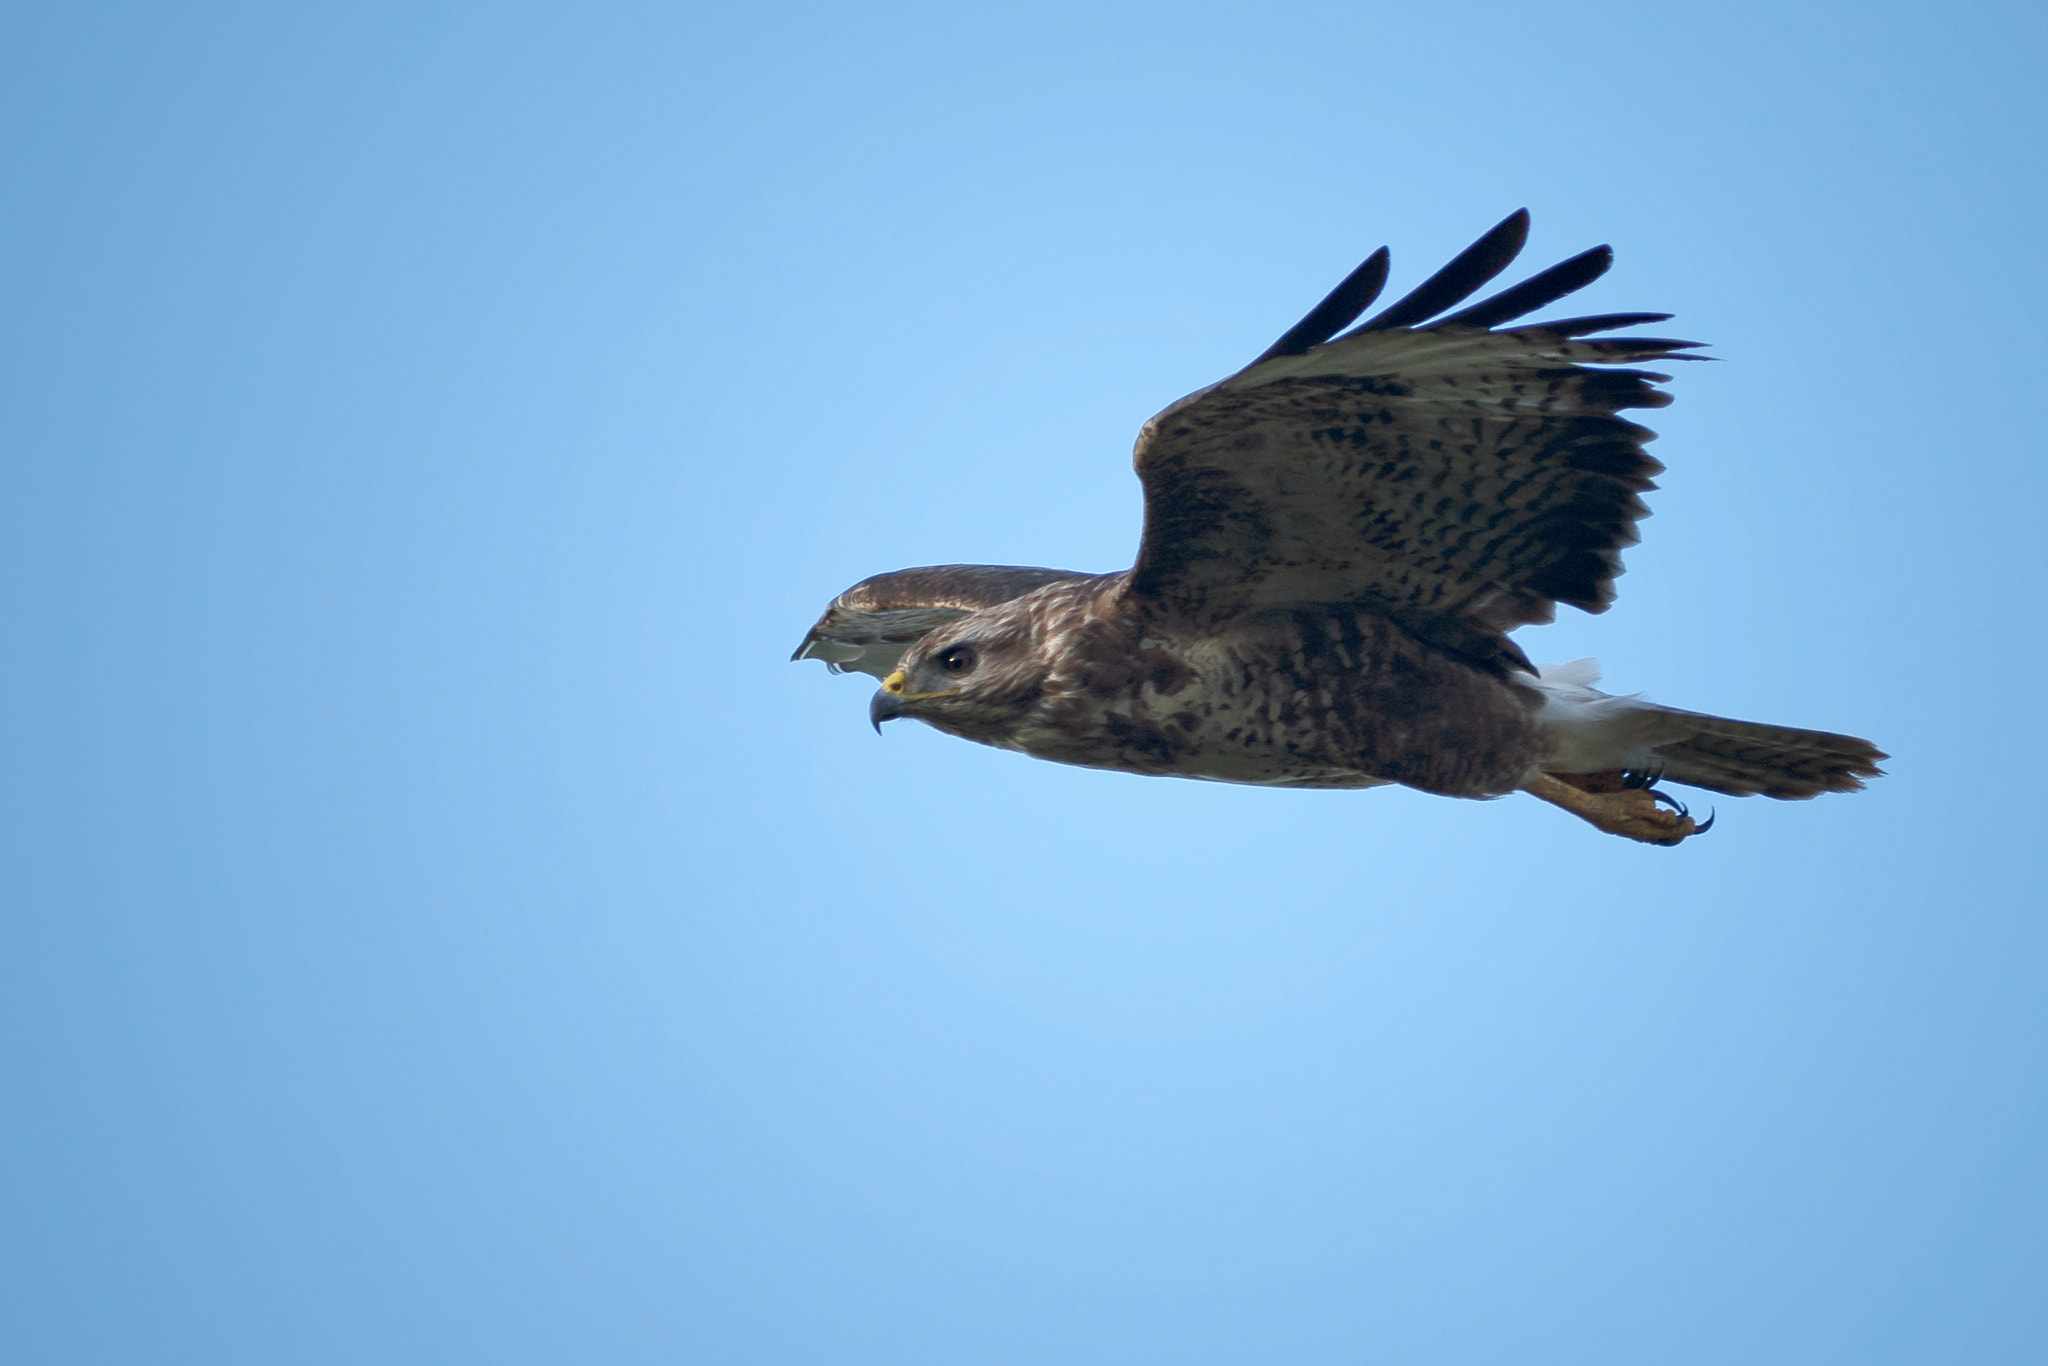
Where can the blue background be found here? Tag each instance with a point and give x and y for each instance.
(439, 925)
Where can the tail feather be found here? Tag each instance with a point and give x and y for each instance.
(1593, 732)
(1745, 757)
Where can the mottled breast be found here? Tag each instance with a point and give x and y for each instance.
(1335, 696)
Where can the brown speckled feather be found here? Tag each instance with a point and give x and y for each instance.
(1337, 541)
(1463, 481)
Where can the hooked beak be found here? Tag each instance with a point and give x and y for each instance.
(887, 704)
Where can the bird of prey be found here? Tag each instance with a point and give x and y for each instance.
(1338, 539)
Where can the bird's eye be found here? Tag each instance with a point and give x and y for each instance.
(957, 660)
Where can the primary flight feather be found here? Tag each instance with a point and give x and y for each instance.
(1338, 540)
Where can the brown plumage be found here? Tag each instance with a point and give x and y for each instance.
(1338, 539)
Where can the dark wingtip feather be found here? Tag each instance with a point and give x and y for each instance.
(1338, 310)
(1642, 348)
(1459, 280)
(1538, 291)
(1604, 322)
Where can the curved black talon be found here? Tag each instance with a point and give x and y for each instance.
(1643, 778)
(1704, 826)
(1663, 796)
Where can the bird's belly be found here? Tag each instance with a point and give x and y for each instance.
(1257, 766)
(1228, 746)
(1235, 768)
(1214, 742)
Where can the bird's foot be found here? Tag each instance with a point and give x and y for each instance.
(1638, 811)
(1642, 813)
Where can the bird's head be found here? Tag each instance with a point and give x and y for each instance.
(975, 677)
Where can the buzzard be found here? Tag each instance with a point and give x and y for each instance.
(1338, 540)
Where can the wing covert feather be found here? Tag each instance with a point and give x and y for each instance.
(1463, 479)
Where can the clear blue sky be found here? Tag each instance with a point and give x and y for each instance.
(438, 925)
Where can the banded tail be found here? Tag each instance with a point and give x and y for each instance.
(1594, 732)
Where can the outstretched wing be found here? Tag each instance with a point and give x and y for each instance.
(1463, 479)
(870, 625)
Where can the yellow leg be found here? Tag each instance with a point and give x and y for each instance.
(1632, 813)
